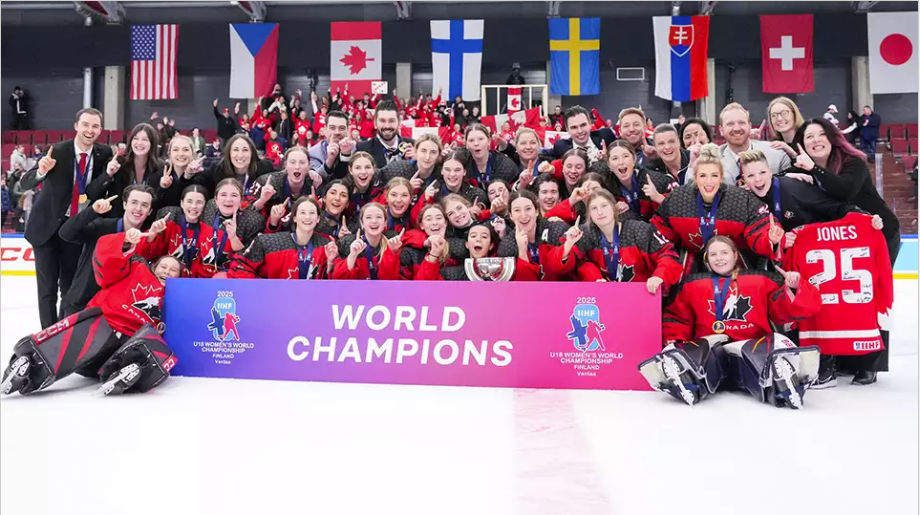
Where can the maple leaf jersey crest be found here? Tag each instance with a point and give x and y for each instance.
(356, 60)
(736, 307)
(626, 273)
(147, 299)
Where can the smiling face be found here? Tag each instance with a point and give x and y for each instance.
(336, 129)
(458, 214)
(140, 144)
(602, 212)
(167, 268)
(228, 199)
(362, 170)
(297, 165)
(88, 128)
(622, 163)
(758, 177)
(523, 213)
(479, 241)
(180, 152)
(579, 127)
(433, 222)
(667, 146)
(306, 216)
(137, 207)
(694, 135)
(721, 258)
(386, 123)
(816, 143)
(240, 155)
(527, 146)
(736, 127)
(373, 220)
(399, 199)
(632, 128)
(426, 154)
(548, 195)
(192, 206)
(572, 169)
(782, 118)
(453, 173)
(708, 179)
(336, 199)
(478, 143)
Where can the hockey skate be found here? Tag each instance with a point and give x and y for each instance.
(774, 370)
(786, 384)
(688, 371)
(124, 379)
(16, 375)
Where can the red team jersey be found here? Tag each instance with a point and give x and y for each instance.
(848, 261)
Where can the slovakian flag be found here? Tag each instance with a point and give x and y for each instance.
(893, 52)
(787, 53)
(355, 56)
(253, 59)
(681, 50)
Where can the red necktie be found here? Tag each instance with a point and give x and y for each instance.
(75, 198)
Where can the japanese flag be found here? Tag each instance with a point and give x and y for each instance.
(893, 52)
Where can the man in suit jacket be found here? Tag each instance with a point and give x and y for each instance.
(735, 124)
(578, 125)
(63, 173)
(330, 157)
(387, 145)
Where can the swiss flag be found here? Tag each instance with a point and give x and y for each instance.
(355, 56)
(787, 52)
(514, 100)
(892, 52)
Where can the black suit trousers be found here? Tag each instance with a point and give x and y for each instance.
(55, 266)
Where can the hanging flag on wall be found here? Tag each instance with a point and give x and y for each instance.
(574, 48)
(892, 52)
(514, 99)
(355, 56)
(253, 59)
(456, 58)
(787, 52)
(681, 50)
(153, 62)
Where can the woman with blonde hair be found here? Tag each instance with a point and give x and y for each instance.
(424, 167)
(373, 252)
(693, 213)
(785, 119)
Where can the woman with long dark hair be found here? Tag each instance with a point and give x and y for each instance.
(234, 228)
(535, 242)
(334, 203)
(240, 161)
(137, 165)
(842, 171)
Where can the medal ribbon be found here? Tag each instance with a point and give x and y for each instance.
(612, 255)
(304, 258)
(707, 218)
(189, 247)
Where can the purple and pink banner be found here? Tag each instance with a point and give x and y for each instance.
(518, 335)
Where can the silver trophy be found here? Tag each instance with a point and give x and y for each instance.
(489, 269)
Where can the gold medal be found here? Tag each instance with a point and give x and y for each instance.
(82, 199)
(718, 327)
(161, 328)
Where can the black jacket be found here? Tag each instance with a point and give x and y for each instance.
(85, 229)
(104, 186)
(564, 145)
(801, 203)
(53, 204)
(226, 127)
(375, 148)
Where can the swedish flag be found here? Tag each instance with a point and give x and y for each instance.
(574, 47)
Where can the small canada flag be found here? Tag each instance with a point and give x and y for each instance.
(355, 56)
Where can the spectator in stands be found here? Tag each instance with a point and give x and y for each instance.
(18, 159)
(869, 130)
(22, 212)
(19, 106)
(851, 132)
(735, 124)
(842, 172)
(213, 152)
(785, 118)
(81, 160)
(275, 146)
(388, 145)
(695, 131)
(578, 125)
(226, 124)
(830, 115)
(632, 128)
(473, 117)
(458, 105)
(285, 127)
(515, 78)
(329, 158)
(199, 145)
(556, 117)
(6, 204)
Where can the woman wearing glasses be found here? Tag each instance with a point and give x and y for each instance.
(785, 118)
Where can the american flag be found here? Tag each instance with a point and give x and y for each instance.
(153, 62)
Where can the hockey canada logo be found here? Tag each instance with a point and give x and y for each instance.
(586, 328)
(224, 318)
(736, 307)
(147, 300)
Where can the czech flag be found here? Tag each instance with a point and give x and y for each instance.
(681, 50)
(253, 59)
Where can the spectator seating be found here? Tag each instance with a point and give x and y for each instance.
(897, 131)
(912, 132)
(116, 137)
(912, 146)
(899, 147)
(908, 162)
(210, 135)
(9, 137)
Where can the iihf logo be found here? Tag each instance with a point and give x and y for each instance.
(224, 318)
(586, 328)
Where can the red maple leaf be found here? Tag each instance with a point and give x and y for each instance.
(552, 139)
(515, 103)
(356, 59)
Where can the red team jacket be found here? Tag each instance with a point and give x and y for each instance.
(638, 201)
(276, 256)
(170, 242)
(386, 263)
(130, 294)
(848, 260)
(755, 299)
(548, 245)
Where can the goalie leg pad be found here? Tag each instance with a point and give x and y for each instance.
(57, 351)
(773, 369)
(149, 352)
(688, 371)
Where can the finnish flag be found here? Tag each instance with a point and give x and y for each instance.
(456, 58)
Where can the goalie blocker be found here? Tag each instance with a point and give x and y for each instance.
(85, 343)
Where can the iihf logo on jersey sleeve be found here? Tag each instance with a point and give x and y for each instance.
(224, 318)
(586, 328)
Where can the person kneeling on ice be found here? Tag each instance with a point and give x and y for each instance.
(115, 338)
(718, 328)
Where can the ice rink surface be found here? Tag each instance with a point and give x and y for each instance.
(199, 446)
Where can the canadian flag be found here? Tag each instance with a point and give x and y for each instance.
(528, 118)
(552, 136)
(893, 52)
(514, 100)
(355, 56)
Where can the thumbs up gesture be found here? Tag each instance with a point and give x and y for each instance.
(112, 167)
(803, 160)
(651, 191)
(46, 163)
